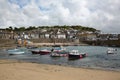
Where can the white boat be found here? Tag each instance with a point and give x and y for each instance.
(111, 51)
(58, 49)
(75, 54)
(15, 52)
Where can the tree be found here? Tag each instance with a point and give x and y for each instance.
(10, 28)
(22, 29)
(31, 28)
(16, 29)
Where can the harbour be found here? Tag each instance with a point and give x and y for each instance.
(97, 58)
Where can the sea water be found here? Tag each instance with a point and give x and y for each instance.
(97, 58)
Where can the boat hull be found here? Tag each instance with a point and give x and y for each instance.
(15, 53)
(72, 56)
(44, 52)
(41, 52)
(35, 52)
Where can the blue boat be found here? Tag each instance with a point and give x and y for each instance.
(15, 51)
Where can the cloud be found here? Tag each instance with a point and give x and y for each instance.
(100, 14)
(21, 3)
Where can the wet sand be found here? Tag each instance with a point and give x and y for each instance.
(17, 70)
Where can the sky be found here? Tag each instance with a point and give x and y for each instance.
(102, 15)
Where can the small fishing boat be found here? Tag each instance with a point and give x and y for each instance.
(111, 51)
(58, 49)
(15, 51)
(59, 52)
(74, 54)
(41, 52)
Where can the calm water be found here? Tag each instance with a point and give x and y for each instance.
(97, 58)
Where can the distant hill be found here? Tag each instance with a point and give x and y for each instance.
(76, 27)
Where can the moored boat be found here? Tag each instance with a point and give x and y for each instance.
(41, 52)
(15, 51)
(58, 49)
(74, 54)
(59, 52)
(111, 51)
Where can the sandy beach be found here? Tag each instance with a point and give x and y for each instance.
(18, 70)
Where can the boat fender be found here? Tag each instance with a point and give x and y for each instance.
(81, 56)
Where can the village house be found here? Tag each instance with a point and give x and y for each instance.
(34, 34)
(47, 35)
(4, 34)
(87, 36)
(91, 37)
(113, 37)
(118, 36)
(61, 34)
(56, 33)
(103, 37)
(108, 36)
(71, 34)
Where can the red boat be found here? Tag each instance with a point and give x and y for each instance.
(41, 52)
